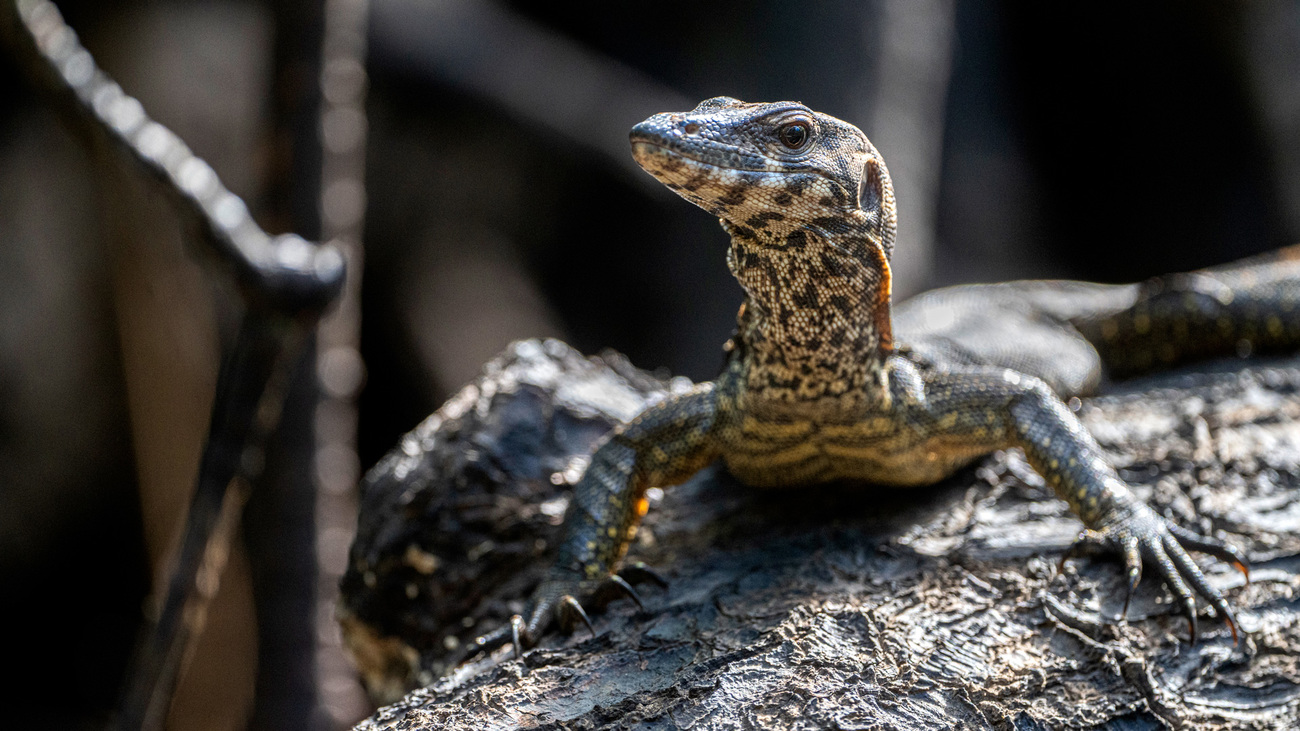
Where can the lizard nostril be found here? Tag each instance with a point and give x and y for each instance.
(690, 128)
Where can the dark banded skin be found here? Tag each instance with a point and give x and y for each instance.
(816, 387)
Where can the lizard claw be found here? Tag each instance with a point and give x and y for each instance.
(619, 584)
(1088, 543)
(639, 573)
(1142, 535)
(515, 632)
(622, 582)
(569, 609)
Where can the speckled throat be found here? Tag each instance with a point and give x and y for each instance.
(809, 206)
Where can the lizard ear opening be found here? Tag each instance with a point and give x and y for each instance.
(870, 194)
(876, 199)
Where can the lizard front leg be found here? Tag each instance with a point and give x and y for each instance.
(1021, 411)
(663, 446)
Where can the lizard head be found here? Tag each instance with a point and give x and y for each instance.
(771, 171)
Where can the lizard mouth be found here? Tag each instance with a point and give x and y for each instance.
(658, 149)
(676, 167)
(677, 164)
(665, 160)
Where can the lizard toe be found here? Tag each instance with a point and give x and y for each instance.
(1155, 552)
(1219, 549)
(1133, 566)
(1193, 574)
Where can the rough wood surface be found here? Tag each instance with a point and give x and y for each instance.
(839, 607)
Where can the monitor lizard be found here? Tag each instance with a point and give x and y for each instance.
(817, 387)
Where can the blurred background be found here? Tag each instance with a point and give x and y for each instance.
(1110, 142)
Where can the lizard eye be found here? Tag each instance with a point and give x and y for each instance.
(795, 135)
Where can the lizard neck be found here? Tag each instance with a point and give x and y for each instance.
(815, 327)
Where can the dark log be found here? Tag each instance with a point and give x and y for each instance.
(844, 606)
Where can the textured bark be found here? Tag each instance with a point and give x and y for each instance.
(845, 606)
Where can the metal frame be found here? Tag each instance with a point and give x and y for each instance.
(284, 282)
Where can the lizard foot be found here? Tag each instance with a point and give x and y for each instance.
(555, 601)
(1140, 534)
